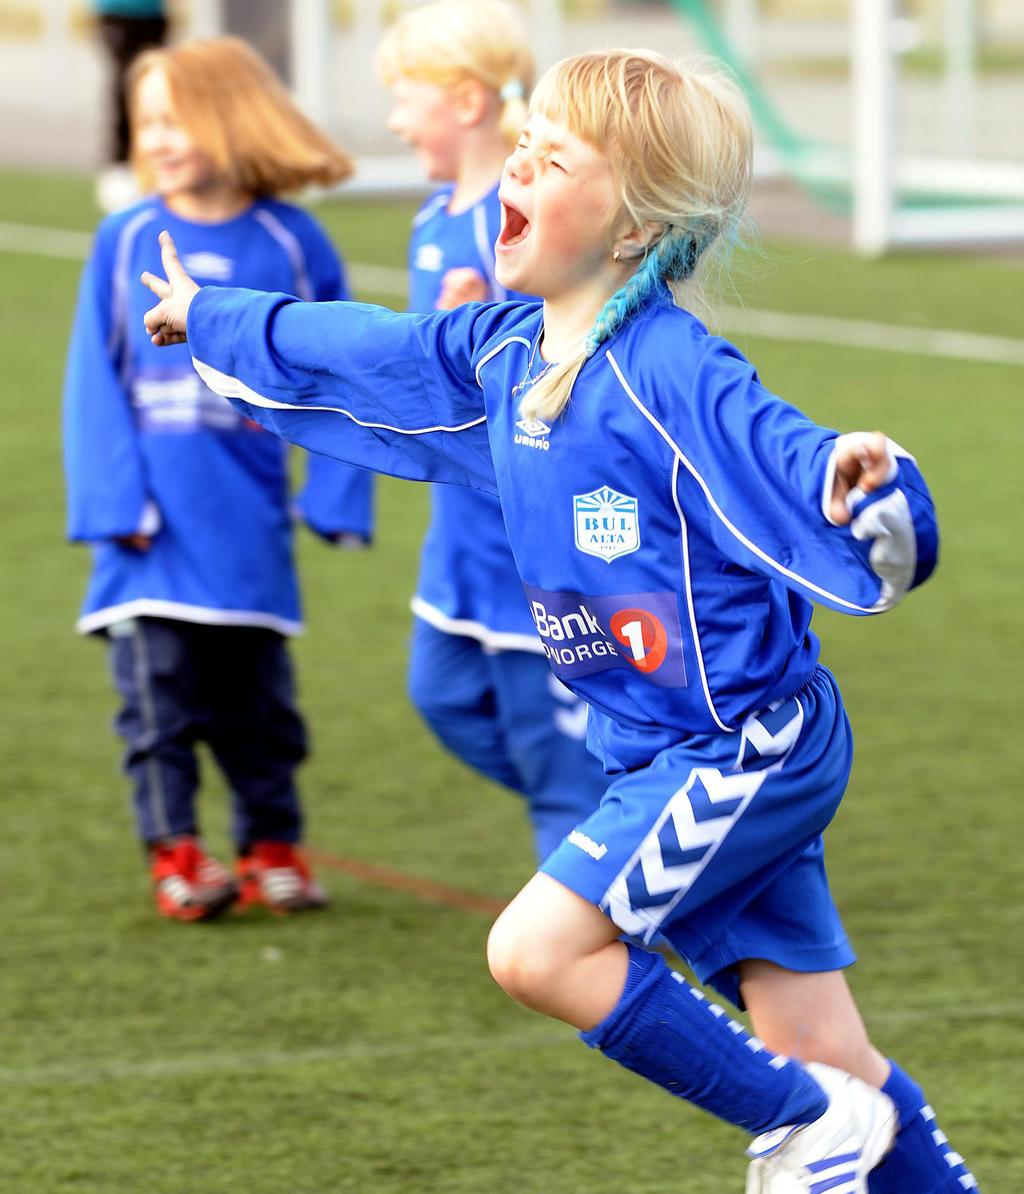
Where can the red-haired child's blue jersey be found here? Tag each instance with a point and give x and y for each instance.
(149, 447)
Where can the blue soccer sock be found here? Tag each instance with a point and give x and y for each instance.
(922, 1160)
(666, 1031)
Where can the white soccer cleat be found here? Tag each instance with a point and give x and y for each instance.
(835, 1153)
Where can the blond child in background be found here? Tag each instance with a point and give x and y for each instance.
(459, 72)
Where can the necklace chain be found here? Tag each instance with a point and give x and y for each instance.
(528, 378)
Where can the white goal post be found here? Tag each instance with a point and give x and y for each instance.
(991, 204)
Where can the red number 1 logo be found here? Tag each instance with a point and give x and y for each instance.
(644, 635)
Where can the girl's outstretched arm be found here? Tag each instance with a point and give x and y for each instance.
(392, 393)
(844, 520)
(336, 501)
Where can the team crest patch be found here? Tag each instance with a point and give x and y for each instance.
(606, 523)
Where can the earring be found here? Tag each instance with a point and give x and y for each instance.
(616, 255)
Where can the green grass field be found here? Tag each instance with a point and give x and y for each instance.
(366, 1050)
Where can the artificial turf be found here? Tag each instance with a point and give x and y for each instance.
(365, 1049)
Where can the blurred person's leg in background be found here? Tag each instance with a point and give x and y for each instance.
(126, 28)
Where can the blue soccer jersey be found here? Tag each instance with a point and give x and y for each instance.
(468, 582)
(149, 447)
(670, 529)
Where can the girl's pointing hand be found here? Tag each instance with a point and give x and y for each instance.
(166, 321)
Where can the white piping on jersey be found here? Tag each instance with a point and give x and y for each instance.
(430, 207)
(180, 611)
(494, 352)
(293, 249)
(720, 514)
(493, 640)
(120, 282)
(485, 248)
(231, 387)
(685, 536)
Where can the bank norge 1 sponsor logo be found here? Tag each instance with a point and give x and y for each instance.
(533, 433)
(606, 523)
(582, 635)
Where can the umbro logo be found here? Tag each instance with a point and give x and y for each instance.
(430, 258)
(209, 265)
(533, 433)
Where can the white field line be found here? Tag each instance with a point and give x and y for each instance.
(44, 242)
(883, 337)
(770, 325)
(379, 279)
(99, 1072)
(91, 1073)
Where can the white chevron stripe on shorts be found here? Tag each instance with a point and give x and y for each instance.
(661, 878)
(766, 743)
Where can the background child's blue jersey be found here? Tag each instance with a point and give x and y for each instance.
(149, 447)
(670, 528)
(468, 583)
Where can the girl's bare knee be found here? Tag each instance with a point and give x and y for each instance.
(520, 963)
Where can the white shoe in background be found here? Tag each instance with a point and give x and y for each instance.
(116, 188)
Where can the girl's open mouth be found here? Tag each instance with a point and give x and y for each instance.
(515, 227)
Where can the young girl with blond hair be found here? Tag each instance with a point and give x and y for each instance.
(671, 542)
(186, 502)
(458, 71)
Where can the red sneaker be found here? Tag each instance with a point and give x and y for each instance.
(187, 883)
(276, 875)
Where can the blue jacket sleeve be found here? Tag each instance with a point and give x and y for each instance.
(336, 498)
(391, 393)
(766, 472)
(106, 483)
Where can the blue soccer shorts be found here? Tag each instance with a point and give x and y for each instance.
(504, 713)
(715, 847)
